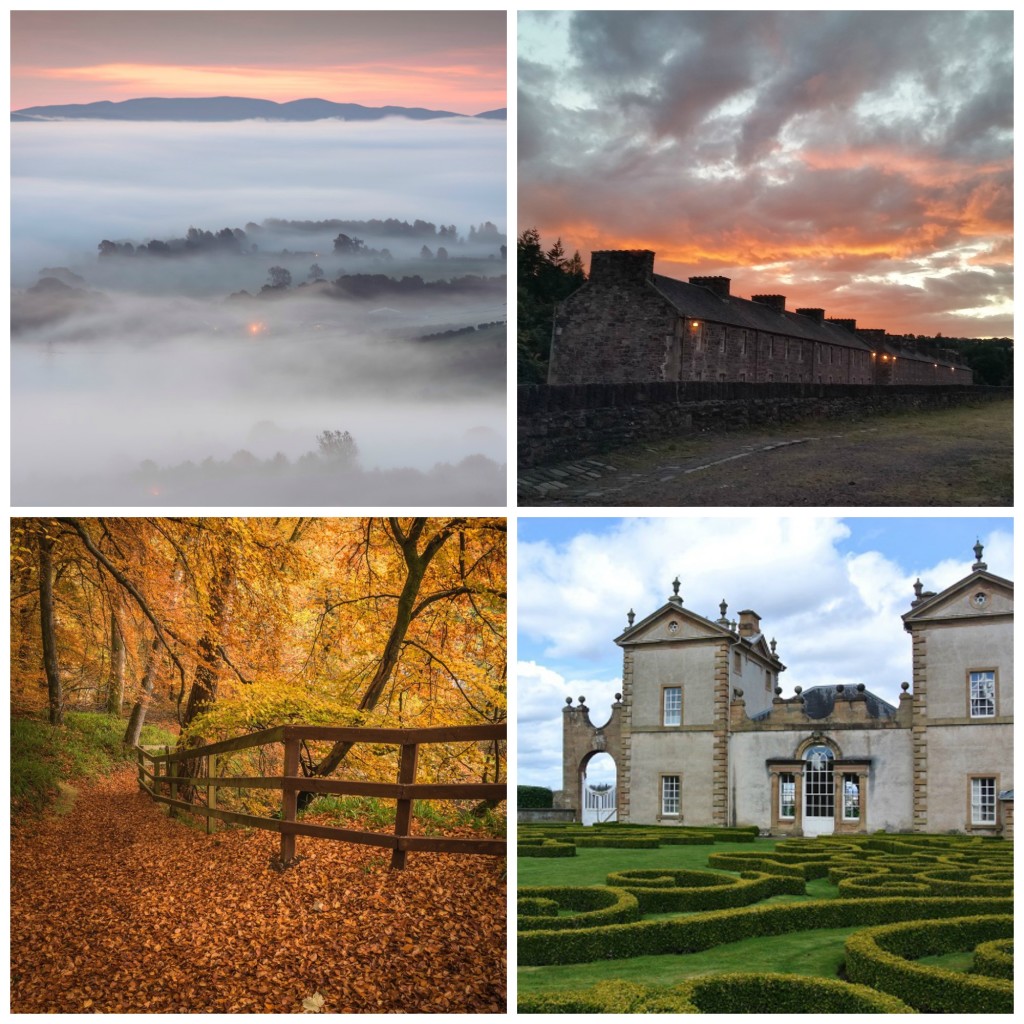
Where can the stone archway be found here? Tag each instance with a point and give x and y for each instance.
(582, 741)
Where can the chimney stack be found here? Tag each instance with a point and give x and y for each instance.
(750, 623)
(850, 325)
(777, 302)
(718, 285)
(621, 266)
(817, 315)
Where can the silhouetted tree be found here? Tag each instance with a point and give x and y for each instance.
(279, 277)
(316, 273)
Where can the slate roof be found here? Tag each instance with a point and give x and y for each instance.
(820, 700)
(701, 303)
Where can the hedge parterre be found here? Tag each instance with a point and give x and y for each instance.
(910, 896)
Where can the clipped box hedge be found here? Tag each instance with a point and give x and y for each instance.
(547, 848)
(994, 958)
(662, 891)
(883, 958)
(593, 906)
(707, 929)
(720, 993)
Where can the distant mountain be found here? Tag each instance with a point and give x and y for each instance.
(494, 115)
(229, 108)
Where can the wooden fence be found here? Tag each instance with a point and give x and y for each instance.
(154, 781)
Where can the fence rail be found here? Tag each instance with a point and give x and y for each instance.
(155, 781)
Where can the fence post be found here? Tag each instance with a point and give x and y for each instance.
(403, 812)
(289, 800)
(172, 786)
(211, 791)
(139, 762)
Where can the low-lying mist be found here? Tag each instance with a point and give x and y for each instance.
(144, 381)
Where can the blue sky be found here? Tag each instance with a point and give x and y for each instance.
(830, 590)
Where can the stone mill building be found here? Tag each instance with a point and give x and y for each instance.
(701, 734)
(628, 324)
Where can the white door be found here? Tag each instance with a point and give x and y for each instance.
(819, 793)
(598, 804)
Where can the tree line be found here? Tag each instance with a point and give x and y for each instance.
(249, 623)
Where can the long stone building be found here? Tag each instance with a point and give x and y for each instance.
(628, 324)
(701, 734)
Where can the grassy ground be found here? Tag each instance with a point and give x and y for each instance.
(957, 456)
(817, 952)
(47, 760)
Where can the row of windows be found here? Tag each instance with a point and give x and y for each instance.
(819, 796)
(982, 696)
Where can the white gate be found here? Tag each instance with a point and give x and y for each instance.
(819, 792)
(598, 804)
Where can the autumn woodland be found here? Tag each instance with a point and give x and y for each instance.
(209, 799)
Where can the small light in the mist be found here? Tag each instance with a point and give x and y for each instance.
(155, 490)
(257, 328)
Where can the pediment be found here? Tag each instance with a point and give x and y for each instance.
(980, 595)
(671, 622)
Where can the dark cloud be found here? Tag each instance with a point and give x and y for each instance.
(828, 140)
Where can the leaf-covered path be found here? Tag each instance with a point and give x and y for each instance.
(117, 908)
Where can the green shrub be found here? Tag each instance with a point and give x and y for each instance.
(720, 993)
(994, 958)
(707, 929)
(546, 848)
(593, 906)
(535, 906)
(662, 891)
(534, 796)
(883, 958)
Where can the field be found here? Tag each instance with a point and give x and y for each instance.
(727, 922)
(952, 457)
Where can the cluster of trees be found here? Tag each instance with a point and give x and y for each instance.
(389, 228)
(991, 359)
(370, 286)
(248, 623)
(227, 240)
(545, 277)
(457, 332)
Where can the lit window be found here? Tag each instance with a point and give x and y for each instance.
(851, 798)
(673, 706)
(983, 801)
(983, 694)
(787, 795)
(670, 795)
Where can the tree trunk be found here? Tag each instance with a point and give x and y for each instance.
(138, 716)
(50, 663)
(115, 681)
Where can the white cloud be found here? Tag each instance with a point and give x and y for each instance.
(836, 616)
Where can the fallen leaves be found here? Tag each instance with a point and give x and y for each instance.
(122, 910)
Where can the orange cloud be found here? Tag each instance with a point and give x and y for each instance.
(464, 88)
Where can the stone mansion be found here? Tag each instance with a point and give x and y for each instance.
(701, 734)
(628, 324)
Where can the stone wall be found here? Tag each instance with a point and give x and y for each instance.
(562, 422)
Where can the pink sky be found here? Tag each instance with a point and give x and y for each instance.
(450, 60)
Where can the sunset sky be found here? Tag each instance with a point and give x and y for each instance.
(450, 60)
(857, 161)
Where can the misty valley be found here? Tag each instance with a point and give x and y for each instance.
(299, 359)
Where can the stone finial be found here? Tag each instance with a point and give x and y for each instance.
(723, 608)
(918, 588)
(675, 598)
(738, 692)
(568, 701)
(773, 645)
(583, 700)
(840, 688)
(778, 691)
(978, 551)
(630, 616)
(904, 686)
(861, 687)
(798, 690)
(618, 697)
